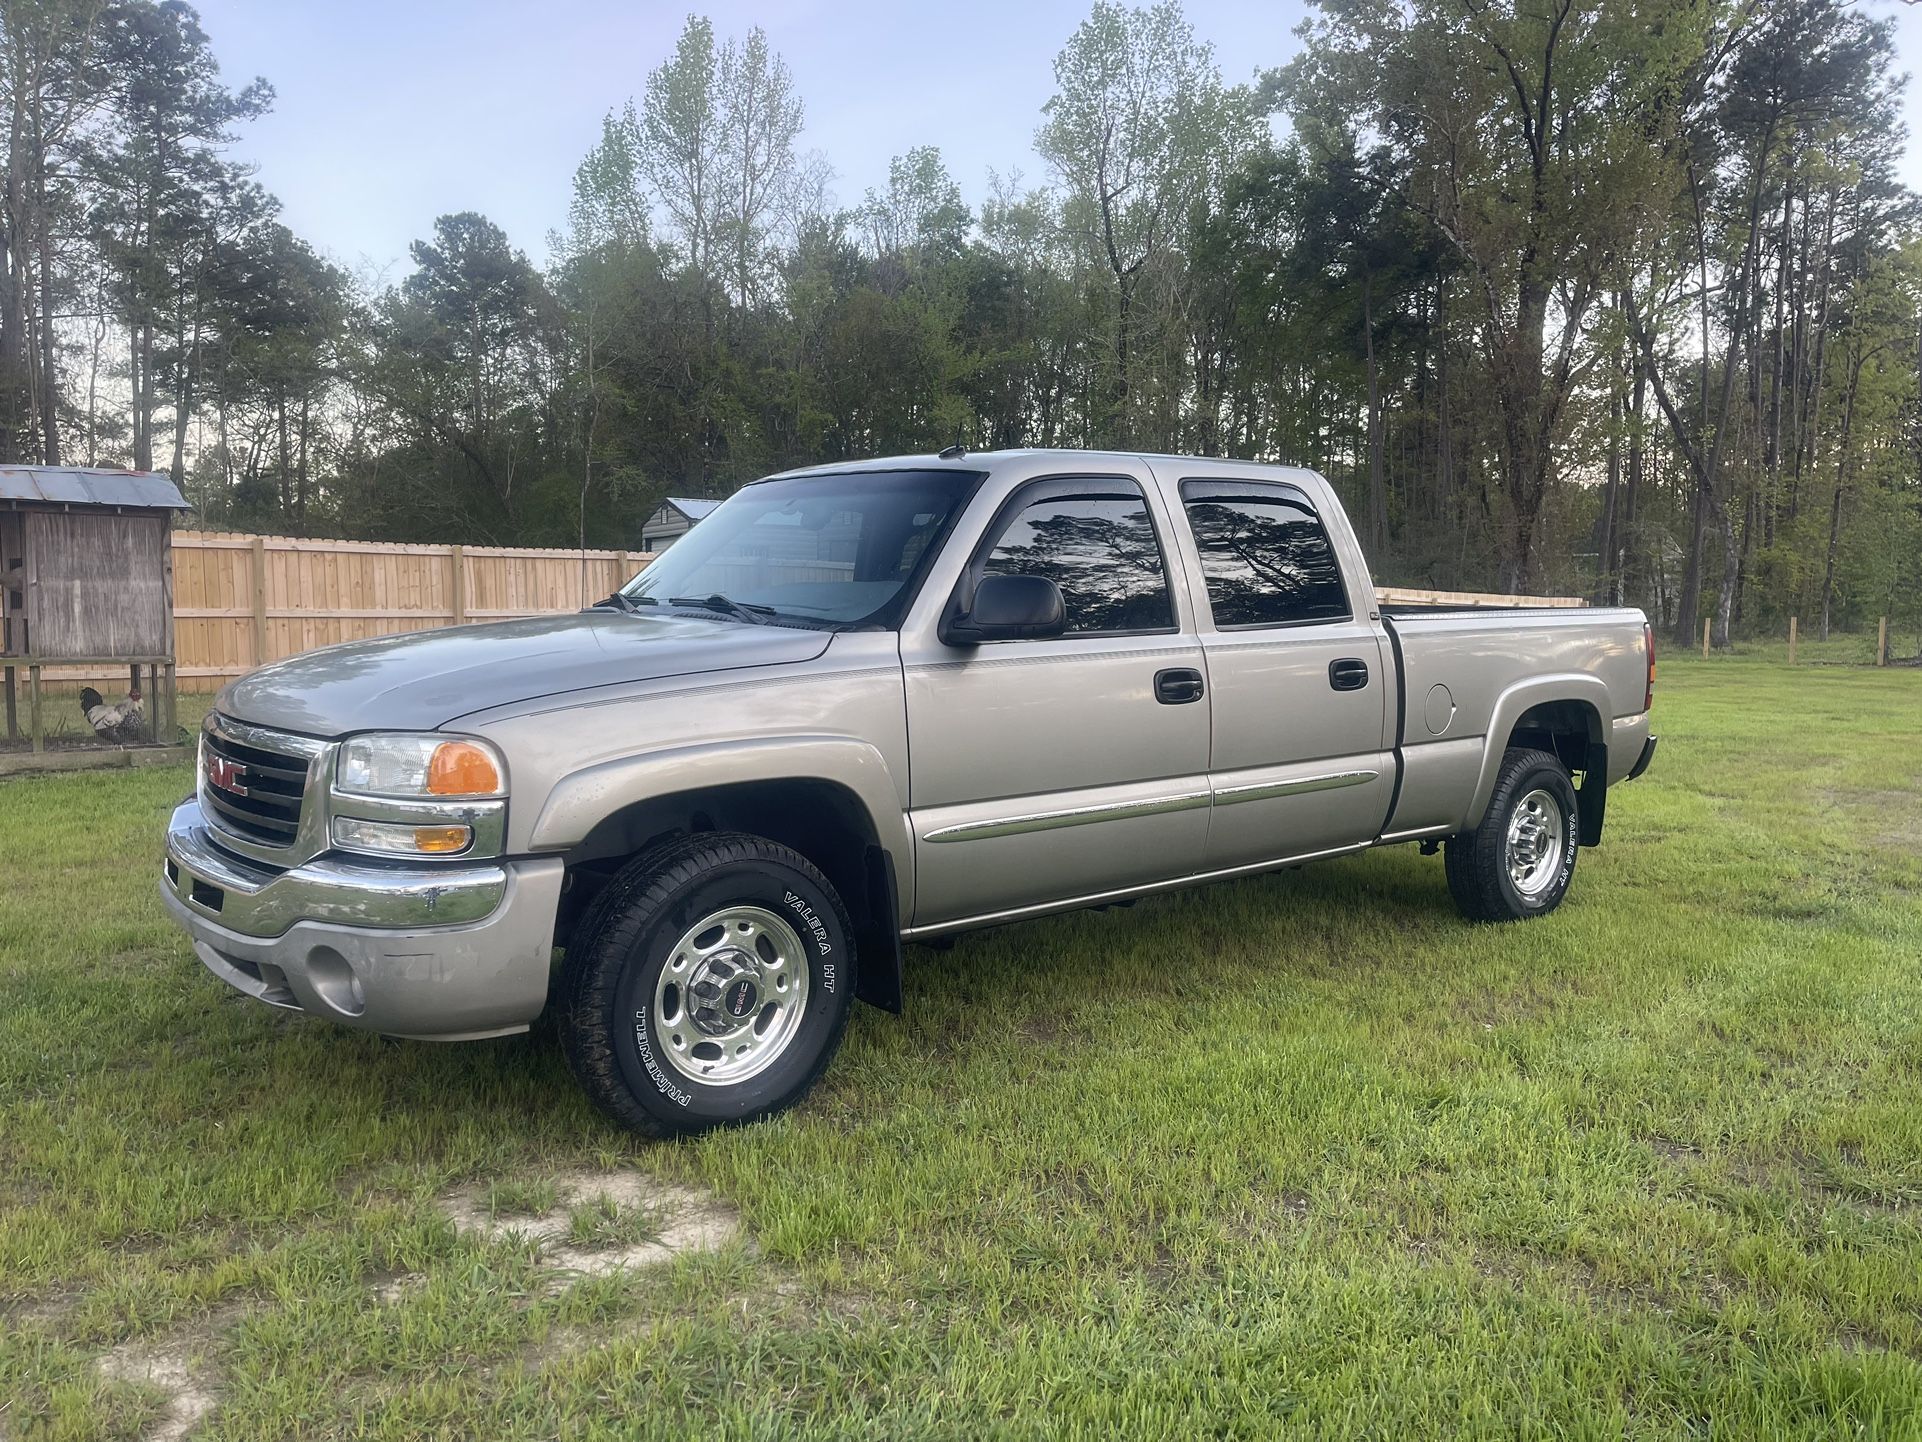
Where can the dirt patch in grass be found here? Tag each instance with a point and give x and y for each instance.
(596, 1223)
(171, 1370)
(1490, 1009)
(175, 1366)
(1885, 818)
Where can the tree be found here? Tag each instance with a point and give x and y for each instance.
(51, 86)
(920, 218)
(467, 359)
(1139, 126)
(760, 116)
(1525, 140)
(166, 202)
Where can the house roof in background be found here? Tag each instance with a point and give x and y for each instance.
(87, 486)
(690, 507)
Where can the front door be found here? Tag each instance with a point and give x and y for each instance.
(1045, 771)
(1301, 761)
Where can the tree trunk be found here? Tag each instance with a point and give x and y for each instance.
(1844, 469)
(1688, 598)
(1377, 482)
(1629, 571)
(143, 404)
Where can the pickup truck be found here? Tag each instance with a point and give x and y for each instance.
(867, 704)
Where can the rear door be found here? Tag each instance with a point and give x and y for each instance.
(1043, 771)
(1302, 759)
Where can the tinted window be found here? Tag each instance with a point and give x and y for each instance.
(835, 548)
(1264, 554)
(1100, 550)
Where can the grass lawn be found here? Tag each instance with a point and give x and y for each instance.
(1299, 1154)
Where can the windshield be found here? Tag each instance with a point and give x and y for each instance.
(836, 549)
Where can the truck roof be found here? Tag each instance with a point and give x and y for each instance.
(980, 460)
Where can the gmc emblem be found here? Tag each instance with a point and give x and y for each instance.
(226, 774)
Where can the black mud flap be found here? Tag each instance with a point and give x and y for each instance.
(877, 937)
(1592, 799)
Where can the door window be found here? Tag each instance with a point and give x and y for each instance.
(1100, 549)
(1265, 555)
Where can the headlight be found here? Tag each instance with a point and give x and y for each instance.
(408, 765)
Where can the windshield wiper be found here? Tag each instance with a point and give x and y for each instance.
(727, 606)
(621, 601)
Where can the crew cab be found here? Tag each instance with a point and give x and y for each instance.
(867, 704)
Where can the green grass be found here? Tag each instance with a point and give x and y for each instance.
(1298, 1155)
(519, 1196)
(604, 1222)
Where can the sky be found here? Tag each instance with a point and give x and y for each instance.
(389, 114)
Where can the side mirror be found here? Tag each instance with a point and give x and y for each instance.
(1009, 608)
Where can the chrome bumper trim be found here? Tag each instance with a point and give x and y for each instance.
(260, 901)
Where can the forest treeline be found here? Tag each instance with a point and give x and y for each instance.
(1617, 297)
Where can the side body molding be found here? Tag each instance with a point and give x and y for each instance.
(1577, 686)
(581, 800)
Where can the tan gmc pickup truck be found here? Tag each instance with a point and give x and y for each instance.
(863, 704)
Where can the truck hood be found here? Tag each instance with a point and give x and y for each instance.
(425, 679)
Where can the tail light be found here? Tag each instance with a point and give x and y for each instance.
(1648, 645)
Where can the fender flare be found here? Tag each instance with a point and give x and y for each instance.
(581, 800)
(1577, 686)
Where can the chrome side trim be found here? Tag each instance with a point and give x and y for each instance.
(1262, 790)
(1152, 806)
(1070, 816)
(1418, 833)
(1097, 898)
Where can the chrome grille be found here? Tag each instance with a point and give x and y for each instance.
(254, 781)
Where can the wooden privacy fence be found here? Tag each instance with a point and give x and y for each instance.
(242, 600)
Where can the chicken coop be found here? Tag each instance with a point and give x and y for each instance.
(86, 591)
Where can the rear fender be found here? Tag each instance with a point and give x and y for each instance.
(1590, 692)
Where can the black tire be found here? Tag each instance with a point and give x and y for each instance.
(610, 1022)
(1478, 860)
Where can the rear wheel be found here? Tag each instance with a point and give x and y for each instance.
(1518, 860)
(709, 985)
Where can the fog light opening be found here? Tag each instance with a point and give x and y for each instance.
(333, 979)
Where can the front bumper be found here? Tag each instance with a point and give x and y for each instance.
(445, 952)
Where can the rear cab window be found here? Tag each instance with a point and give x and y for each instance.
(1266, 557)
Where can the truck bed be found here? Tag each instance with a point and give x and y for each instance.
(1467, 672)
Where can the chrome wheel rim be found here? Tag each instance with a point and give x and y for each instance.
(1535, 843)
(730, 999)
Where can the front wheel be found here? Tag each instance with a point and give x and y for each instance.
(1518, 860)
(709, 985)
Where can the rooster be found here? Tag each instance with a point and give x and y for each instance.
(121, 723)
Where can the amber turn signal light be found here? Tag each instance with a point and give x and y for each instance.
(460, 768)
(439, 840)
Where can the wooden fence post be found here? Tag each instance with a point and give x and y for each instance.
(1705, 624)
(457, 582)
(35, 728)
(1882, 642)
(1791, 640)
(260, 600)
